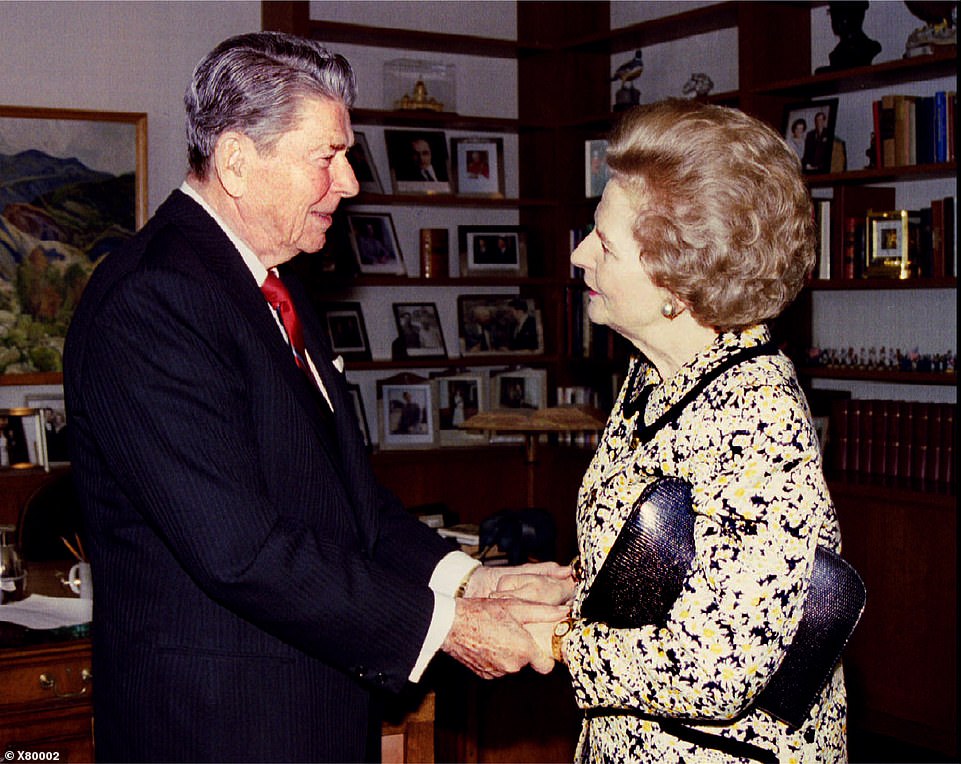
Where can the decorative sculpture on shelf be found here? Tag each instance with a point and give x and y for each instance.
(941, 26)
(854, 48)
(627, 95)
(699, 86)
(420, 100)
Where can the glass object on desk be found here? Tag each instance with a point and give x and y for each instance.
(12, 575)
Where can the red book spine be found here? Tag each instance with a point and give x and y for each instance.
(933, 435)
(866, 448)
(840, 424)
(920, 446)
(880, 464)
(854, 436)
(906, 440)
(892, 439)
(950, 447)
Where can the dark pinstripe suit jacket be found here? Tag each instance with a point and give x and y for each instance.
(254, 582)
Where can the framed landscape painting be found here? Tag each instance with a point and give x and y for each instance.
(73, 186)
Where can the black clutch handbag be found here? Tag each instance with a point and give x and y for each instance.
(646, 568)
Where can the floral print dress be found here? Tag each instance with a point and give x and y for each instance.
(747, 447)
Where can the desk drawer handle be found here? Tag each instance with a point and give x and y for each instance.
(47, 682)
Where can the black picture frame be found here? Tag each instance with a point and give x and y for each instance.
(375, 243)
(344, 324)
(499, 324)
(814, 148)
(419, 330)
(355, 392)
(362, 162)
(490, 250)
(405, 148)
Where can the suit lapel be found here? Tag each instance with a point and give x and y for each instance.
(239, 287)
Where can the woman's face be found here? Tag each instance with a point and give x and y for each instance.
(622, 295)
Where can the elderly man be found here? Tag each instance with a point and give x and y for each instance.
(255, 583)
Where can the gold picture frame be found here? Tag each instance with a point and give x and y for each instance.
(88, 172)
(887, 245)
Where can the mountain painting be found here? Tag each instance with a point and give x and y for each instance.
(71, 189)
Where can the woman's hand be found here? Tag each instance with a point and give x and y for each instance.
(544, 582)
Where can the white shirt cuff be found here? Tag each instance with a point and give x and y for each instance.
(447, 576)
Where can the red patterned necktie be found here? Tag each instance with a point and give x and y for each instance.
(280, 300)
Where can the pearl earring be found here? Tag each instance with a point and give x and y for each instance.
(668, 310)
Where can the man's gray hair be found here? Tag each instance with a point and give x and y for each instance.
(254, 83)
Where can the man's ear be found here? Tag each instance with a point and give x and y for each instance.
(232, 162)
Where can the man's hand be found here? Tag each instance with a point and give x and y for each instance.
(545, 582)
(489, 637)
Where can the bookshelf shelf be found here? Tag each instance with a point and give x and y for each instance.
(834, 285)
(886, 174)
(878, 375)
(943, 63)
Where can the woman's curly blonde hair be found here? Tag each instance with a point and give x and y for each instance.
(725, 219)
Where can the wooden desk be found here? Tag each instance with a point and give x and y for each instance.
(46, 682)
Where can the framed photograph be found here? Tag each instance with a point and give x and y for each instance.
(419, 329)
(887, 244)
(53, 419)
(22, 442)
(493, 250)
(375, 243)
(406, 412)
(359, 155)
(596, 169)
(478, 166)
(459, 397)
(346, 332)
(809, 128)
(419, 161)
(499, 324)
(519, 389)
(355, 392)
(74, 186)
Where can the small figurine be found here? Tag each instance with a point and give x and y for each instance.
(854, 48)
(419, 101)
(699, 86)
(627, 96)
(941, 26)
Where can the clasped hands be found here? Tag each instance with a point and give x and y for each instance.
(500, 623)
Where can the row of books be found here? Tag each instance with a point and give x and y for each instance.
(915, 129)
(900, 439)
(845, 252)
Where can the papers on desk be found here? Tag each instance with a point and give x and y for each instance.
(41, 612)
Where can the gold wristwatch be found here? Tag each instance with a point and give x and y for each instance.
(561, 630)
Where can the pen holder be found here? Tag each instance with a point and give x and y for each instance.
(80, 582)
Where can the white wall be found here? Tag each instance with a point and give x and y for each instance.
(117, 56)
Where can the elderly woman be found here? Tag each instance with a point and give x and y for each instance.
(702, 234)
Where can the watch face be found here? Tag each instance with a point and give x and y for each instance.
(561, 628)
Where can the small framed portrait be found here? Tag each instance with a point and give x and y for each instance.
(359, 155)
(596, 169)
(887, 252)
(419, 330)
(375, 243)
(419, 161)
(478, 166)
(821, 432)
(53, 419)
(22, 443)
(460, 397)
(355, 393)
(493, 250)
(346, 332)
(519, 389)
(499, 324)
(809, 128)
(406, 412)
